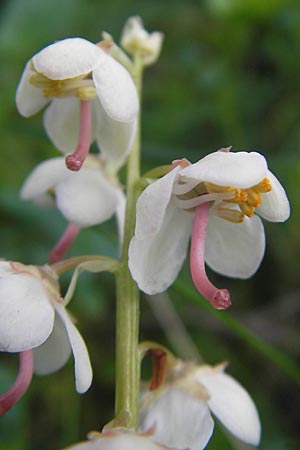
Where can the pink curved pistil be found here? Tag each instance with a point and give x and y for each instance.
(64, 243)
(219, 298)
(21, 384)
(76, 159)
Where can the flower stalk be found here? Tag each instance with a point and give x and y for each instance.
(128, 297)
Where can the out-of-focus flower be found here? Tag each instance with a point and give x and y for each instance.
(136, 40)
(33, 317)
(218, 201)
(179, 412)
(85, 198)
(92, 97)
(117, 439)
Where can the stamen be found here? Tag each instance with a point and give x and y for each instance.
(247, 209)
(21, 384)
(76, 159)
(64, 243)
(232, 215)
(264, 186)
(184, 188)
(196, 201)
(219, 298)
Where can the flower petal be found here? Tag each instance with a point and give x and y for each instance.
(234, 249)
(181, 420)
(26, 313)
(152, 204)
(61, 122)
(118, 442)
(29, 99)
(116, 91)
(275, 206)
(43, 178)
(241, 169)
(68, 58)
(232, 405)
(86, 197)
(83, 369)
(54, 352)
(155, 260)
(114, 138)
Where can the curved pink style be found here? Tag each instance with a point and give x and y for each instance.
(219, 298)
(21, 384)
(64, 243)
(76, 159)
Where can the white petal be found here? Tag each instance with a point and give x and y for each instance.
(86, 197)
(54, 352)
(44, 177)
(156, 260)
(61, 122)
(232, 405)
(29, 99)
(275, 206)
(114, 138)
(152, 204)
(116, 91)
(118, 442)
(241, 169)
(83, 369)
(68, 58)
(182, 421)
(26, 313)
(235, 249)
(6, 269)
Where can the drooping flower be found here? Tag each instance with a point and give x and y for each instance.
(85, 198)
(179, 412)
(92, 98)
(217, 201)
(33, 318)
(136, 40)
(117, 439)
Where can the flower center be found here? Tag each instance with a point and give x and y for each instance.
(229, 203)
(81, 87)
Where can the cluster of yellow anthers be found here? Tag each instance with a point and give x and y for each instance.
(246, 199)
(81, 87)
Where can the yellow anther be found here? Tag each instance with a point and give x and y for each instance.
(240, 196)
(254, 198)
(86, 93)
(247, 209)
(264, 186)
(232, 215)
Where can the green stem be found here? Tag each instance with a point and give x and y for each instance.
(128, 303)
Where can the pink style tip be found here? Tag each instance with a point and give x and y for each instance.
(73, 162)
(221, 299)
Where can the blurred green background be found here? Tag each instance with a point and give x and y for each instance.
(228, 75)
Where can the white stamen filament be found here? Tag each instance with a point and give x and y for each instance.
(180, 189)
(194, 202)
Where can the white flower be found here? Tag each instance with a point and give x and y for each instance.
(92, 98)
(32, 316)
(180, 411)
(117, 439)
(85, 198)
(136, 40)
(221, 192)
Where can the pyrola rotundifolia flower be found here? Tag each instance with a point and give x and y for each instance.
(85, 198)
(218, 201)
(92, 97)
(137, 41)
(33, 317)
(117, 439)
(179, 412)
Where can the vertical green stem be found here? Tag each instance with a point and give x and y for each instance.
(127, 321)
